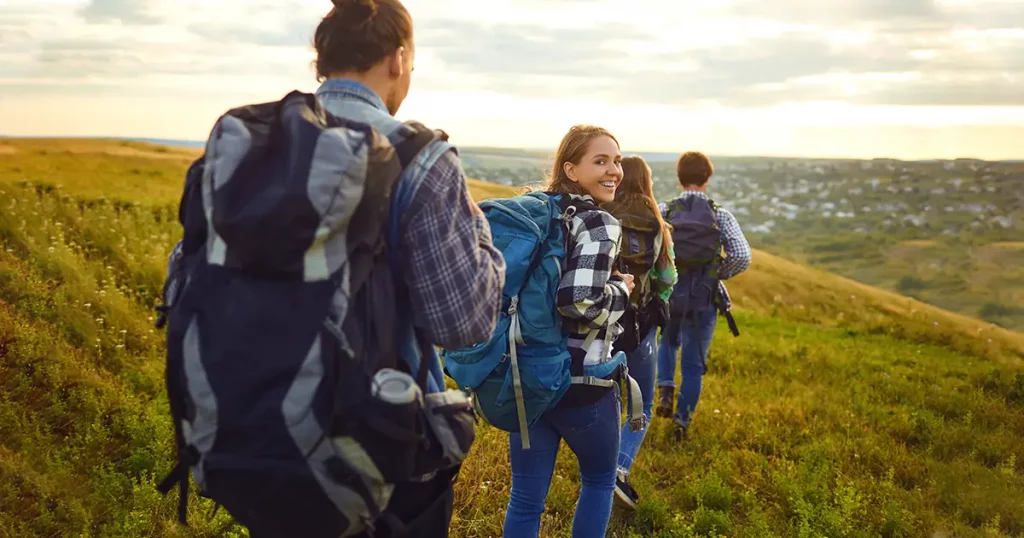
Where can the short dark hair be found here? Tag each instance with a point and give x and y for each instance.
(357, 34)
(694, 168)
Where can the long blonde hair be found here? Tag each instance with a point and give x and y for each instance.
(571, 150)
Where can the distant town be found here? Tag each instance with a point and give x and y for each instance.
(950, 232)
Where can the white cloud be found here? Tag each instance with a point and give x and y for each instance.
(504, 69)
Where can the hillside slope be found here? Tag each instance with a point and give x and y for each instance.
(842, 410)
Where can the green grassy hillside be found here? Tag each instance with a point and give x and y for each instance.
(842, 410)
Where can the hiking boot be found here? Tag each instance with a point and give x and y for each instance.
(681, 431)
(625, 495)
(665, 401)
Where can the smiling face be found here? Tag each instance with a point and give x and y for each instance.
(599, 172)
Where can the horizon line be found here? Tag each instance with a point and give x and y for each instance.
(182, 142)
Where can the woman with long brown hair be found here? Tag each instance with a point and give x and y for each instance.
(647, 254)
(591, 297)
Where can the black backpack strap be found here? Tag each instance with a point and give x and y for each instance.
(420, 137)
(731, 321)
(179, 475)
(726, 312)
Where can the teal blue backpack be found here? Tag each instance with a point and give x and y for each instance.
(524, 368)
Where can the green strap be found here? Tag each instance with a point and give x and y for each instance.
(635, 410)
(517, 383)
(592, 381)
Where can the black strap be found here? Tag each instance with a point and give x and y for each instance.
(426, 353)
(179, 475)
(408, 148)
(731, 321)
(726, 312)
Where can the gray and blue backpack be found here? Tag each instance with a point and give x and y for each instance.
(294, 404)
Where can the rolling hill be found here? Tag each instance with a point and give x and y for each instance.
(841, 410)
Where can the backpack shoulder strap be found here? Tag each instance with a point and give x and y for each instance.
(714, 207)
(414, 137)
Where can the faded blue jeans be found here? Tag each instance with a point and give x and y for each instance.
(641, 363)
(592, 433)
(695, 340)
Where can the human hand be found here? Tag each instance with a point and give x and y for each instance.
(627, 278)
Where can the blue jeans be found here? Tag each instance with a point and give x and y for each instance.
(592, 433)
(695, 339)
(641, 364)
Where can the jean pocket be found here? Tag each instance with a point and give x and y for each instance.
(577, 420)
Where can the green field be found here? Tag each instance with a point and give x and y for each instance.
(842, 410)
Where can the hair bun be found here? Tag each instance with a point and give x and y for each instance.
(357, 11)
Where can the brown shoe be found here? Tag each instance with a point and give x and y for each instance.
(667, 394)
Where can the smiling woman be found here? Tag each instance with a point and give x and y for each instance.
(588, 162)
(591, 297)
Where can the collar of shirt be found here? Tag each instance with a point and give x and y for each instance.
(585, 197)
(351, 89)
(687, 194)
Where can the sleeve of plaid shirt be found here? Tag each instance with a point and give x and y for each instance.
(455, 274)
(737, 249)
(588, 293)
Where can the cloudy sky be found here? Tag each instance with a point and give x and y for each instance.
(863, 78)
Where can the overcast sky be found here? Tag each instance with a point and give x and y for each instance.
(863, 78)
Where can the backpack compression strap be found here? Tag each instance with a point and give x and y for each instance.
(727, 314)
(517, 383)
(634, 398)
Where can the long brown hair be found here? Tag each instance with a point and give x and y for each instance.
(571, 150)
(637, 181)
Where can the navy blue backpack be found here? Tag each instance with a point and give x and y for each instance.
(281, 307)
(697, 241)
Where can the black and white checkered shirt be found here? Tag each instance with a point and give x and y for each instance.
(589, 297)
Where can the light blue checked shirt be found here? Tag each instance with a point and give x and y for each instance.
(737, 249)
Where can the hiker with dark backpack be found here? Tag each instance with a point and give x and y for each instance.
(701, 229)
(328, 247)
(647, 254)
(548, 372)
